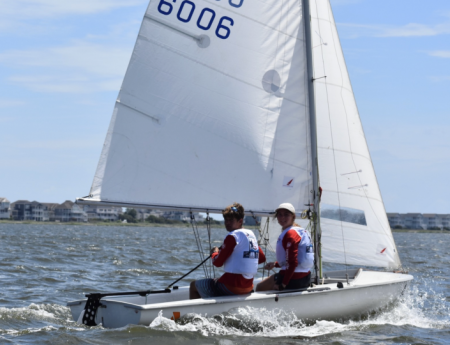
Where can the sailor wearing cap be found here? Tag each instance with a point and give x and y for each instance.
(294, 251)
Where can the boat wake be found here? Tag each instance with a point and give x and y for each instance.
(36, 318)
(417, 309)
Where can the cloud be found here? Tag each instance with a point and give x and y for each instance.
(345, 2)
(60, 145)
(31, 17)
(52, 8)
(409, 30)
(438, 79)
(10, 103)
(78, 68)
(440, 53)
(94, 58)
(66, 84)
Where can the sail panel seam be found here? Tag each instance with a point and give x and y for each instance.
(355, 195)
(344, 151)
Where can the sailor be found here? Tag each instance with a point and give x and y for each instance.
(239, 255)
(295, 254)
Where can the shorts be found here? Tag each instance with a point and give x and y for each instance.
(293, 283)
(212, 288)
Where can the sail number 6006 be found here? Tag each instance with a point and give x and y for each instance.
(205, 19)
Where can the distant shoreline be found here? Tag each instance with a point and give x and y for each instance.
(142, 225)
(421, 231)
(187, 225)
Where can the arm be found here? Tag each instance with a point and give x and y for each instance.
(262, 256)
(290, 243)
(218, 259)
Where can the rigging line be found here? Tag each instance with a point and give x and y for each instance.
(254, 218)
(332, 141)
(208, 229)
(209, 237)
(199, 243)
(351, 154)
(265, 236)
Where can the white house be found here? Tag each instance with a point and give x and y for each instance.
(5, 208)
(426, 221)
(102, 213)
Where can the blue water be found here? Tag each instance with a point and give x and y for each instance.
(44, 266)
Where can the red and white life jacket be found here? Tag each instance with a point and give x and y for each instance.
(305, 256)
(244, 259)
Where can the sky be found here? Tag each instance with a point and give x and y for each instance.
(62, 64)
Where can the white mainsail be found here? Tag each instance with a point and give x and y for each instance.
(355, 228)
(213, 109)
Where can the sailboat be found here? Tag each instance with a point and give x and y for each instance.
(249, 101)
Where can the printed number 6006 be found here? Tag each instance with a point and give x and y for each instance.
(205, 19)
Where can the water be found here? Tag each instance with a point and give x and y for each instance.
(44, 266)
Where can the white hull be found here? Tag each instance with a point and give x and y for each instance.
(368, 291)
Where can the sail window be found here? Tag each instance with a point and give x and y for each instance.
(343, 214)
(271, 81)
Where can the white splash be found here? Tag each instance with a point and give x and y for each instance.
(416, 308)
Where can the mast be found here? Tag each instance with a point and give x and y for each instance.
(313, 128)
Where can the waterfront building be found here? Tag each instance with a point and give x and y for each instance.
(5, 208)
(143, 213)
(182, 216)
(68, 211)
(102, 213)
(29, 210)
(445, 218)
(426, 221)
(23, 210)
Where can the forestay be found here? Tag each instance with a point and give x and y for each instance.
(213, 109)
(355, 229)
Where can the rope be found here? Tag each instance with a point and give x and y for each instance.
(264, 237)
(308, 214)
(208, 229)
(199, 243)
(255, 219)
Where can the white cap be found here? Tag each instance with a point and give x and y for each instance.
(286, 206)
